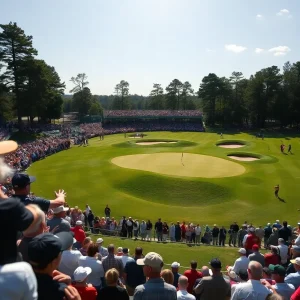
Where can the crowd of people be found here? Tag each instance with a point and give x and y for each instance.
(152, 113)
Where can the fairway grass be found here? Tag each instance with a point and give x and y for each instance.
(181, 164)
(89, 176)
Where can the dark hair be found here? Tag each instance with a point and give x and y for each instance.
(92, 249)
(274, 250)
(193, 264)
(138, 251)
(284, 223)
(267, 271)
(243, 274)
(111, 248)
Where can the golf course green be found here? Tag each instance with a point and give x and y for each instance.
(204, 192)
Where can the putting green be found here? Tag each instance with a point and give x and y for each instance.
(190, 165)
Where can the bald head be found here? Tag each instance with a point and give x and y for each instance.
(205, 271)
(255, 270)
(183, 282)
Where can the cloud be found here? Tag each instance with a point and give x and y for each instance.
(235, 48)
(284, 13)
(259, 17)
(259, 50)
(280, 50)
(210, 50)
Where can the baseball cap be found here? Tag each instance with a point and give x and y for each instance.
(78, 222)
(175, 264)
(82, 273)
(255, 247)
(277, 269)
(8, 146)
(45, 247)
(20, 180)
(296, 261)
(269, 224)
(215, 263)
(125, 250)
(242, 251)
(59, 209)
(151, 259)
(99, 241)
(251, 229)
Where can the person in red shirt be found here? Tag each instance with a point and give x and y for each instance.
(251, 240)
(192, 276)
(86, 291)
(296, 295)
(79, 234)
(272, 258)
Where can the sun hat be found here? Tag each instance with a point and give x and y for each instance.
(295, 261)
(151, 259)
(7, 147)
(242, 251)
(21, 180)
(175, 264)
(99, 241)
(78, 222)
(277, 269)
(59, 209)
(81, 273)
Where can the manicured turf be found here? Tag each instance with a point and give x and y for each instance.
(182, 165)
(89, 176)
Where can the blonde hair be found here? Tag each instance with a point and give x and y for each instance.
(167, 275)
(111, 276)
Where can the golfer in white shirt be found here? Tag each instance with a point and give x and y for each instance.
(241, 263)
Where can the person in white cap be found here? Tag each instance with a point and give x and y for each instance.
(79, 234)
(182, 293)
(59, 214)
(175, 268)
(102, 250)
(85, 290)
(155, 287)
(294, 278)
(241, 263)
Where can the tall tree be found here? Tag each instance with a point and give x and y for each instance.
(156, 97)
(209, 91)
(122, 91)
(82, 101)
(173, 95)
(15, 48)
(80, 82)
(186, 93)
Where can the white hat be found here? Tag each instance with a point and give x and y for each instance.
(251, 229)
(242, 251)
(269, 224)
(99, 241)
(277, 221)
(78, 222)
(175, 264)
(296, 261)
(59, 209)
(120, 250)
(298, 223)
(82, 273)
(151, 259)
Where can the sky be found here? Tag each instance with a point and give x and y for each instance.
(155, 41)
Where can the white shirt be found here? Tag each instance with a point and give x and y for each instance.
(241, 264)
(97, 269)
(18, 282)
(244, 239)
(250, 290)
(184, 295)
(136, 227)
(283, 252)
(67, 218)
(198, 230)
(285, 290)
(87, 210)
(125, 259)
(129, 223)
(69, 262)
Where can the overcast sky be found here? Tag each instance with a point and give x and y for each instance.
(155, 41)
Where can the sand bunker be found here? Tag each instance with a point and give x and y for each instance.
(176, 164)
(231, 146)
(153, 143)
(243, 158)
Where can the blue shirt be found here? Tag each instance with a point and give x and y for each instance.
(294, 279)
(155, 289)
(176, 277)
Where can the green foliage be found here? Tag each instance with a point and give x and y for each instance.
(122, 92)
(82, 101)
(174, 94)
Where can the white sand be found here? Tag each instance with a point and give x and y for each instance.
(243, 158)
(153, 143)
(231, 146)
